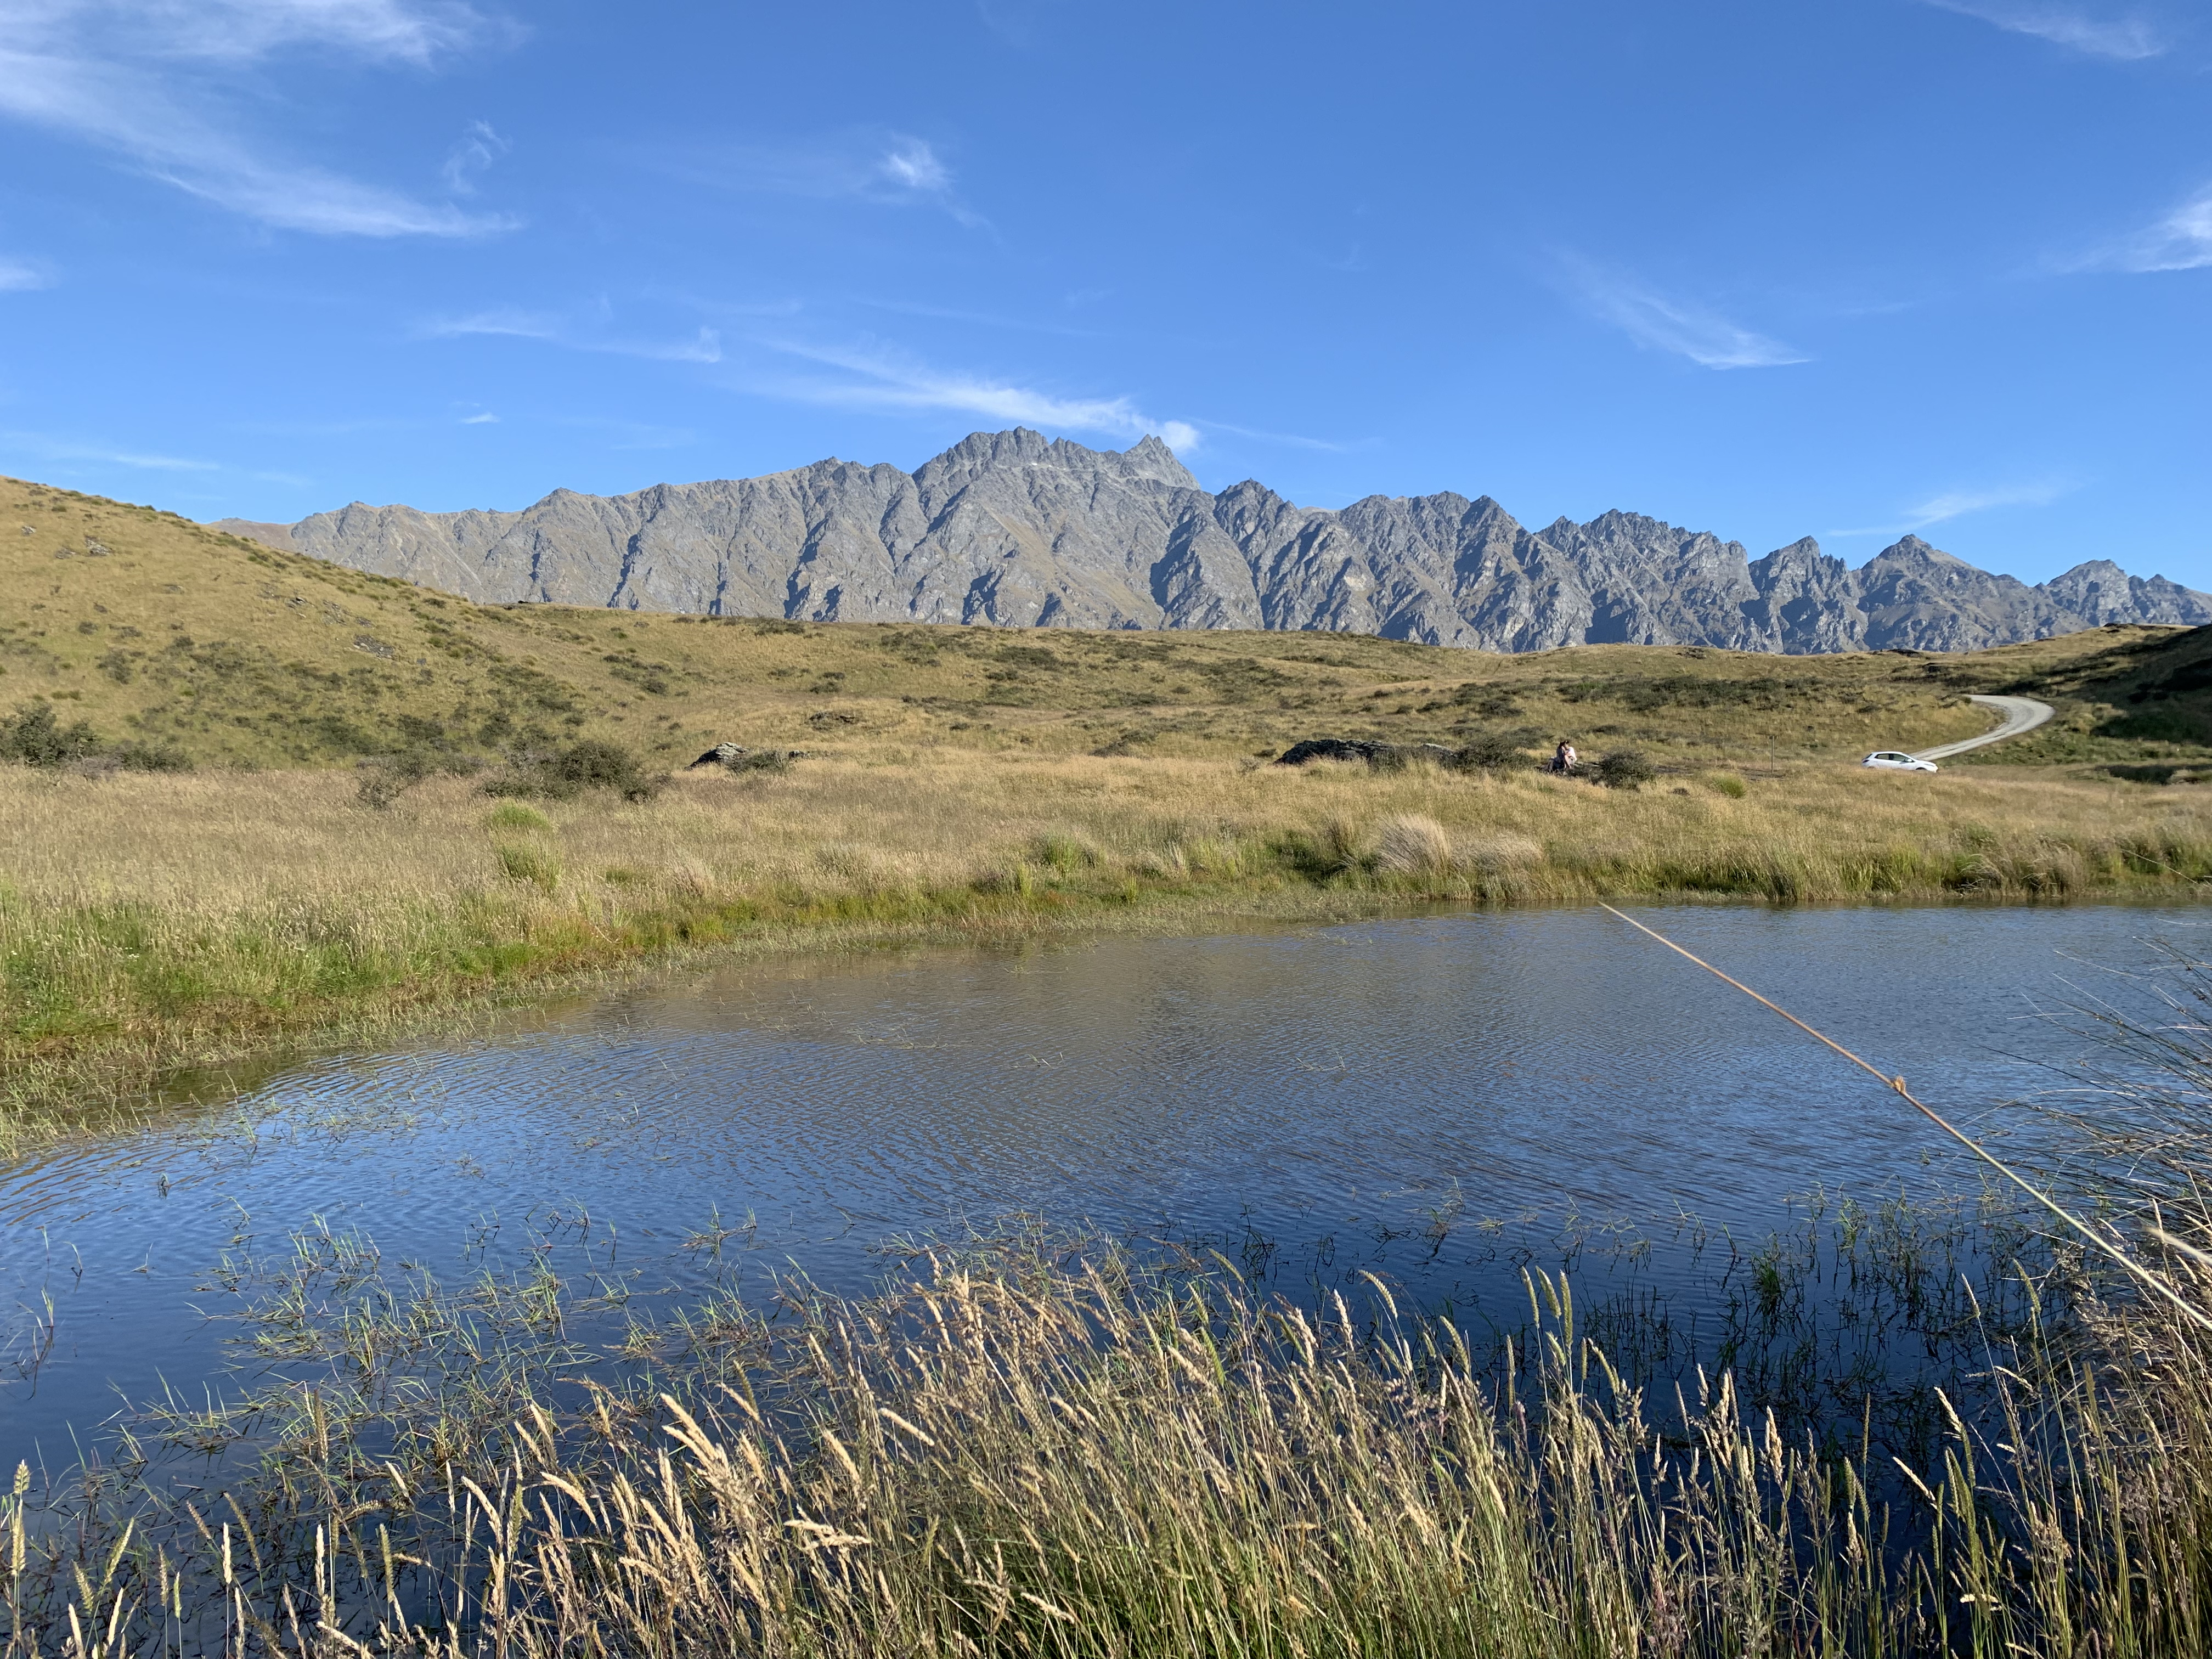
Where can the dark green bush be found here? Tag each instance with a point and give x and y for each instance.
(1624, 769)
(35, 737)
(565, 773)
(385, 779)
(1488, 751)
(134, 756)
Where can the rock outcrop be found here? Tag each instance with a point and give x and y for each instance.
(1016, 530)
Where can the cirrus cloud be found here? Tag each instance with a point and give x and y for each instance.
(1664, 324)
(555, 328)
(879, 378)
(1948, 504)
(890, 170)
(2181, 240)
(152, 84)
(2123, 39)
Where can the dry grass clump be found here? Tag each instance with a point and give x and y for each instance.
(1496, 856)
(1412, 844)
(146, 919)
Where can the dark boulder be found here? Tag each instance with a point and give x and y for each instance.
(736, 757)
(1384, 755)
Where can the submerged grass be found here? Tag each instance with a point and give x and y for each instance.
(1027, 1450)
(151, 921)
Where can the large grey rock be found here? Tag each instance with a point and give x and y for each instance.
(1017, 530)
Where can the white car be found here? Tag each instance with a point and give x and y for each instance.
(1890, 761)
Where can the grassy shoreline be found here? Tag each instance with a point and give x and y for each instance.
(151, 922)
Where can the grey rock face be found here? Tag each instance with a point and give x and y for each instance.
(2100, 592)
(1014, 529)
(1807, 602)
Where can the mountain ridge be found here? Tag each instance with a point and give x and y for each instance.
(1016, 530)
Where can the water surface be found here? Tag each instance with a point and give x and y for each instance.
(1315, 1101)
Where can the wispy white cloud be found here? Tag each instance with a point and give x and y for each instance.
(415, 32)
(1292, 439)
(1017, 22)
(2182, 241)
(1957, 503)
(49, 448)
(479, 147)
(883, 379)
(1949, 504)
(18, 276)
(487, 418)
(1663, 324)
(557, 329)
(149, 81)
(910, 164)
(500, 319)
(633, 434)
(891, 169)
(987, 319)
(2123, 39)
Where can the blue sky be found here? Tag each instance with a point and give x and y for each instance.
(1771, 270)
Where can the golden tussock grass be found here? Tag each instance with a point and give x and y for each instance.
(148, 921)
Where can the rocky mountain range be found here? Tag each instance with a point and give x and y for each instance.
(1014, 529)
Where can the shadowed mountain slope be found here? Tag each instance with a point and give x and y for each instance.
(1013, 529)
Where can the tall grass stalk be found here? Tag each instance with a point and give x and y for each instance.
(1027, 1453)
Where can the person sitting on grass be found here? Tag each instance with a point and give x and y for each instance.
(1565, 760)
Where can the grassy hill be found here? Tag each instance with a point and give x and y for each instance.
(969, 782)
(152, 630)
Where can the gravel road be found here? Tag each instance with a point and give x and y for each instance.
(2020, 715)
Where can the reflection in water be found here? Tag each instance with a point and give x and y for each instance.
(1379, 1096)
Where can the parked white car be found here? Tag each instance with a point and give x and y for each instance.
(1890, 760)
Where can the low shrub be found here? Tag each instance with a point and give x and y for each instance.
(564, 774)
(1488, 751)
(152, 757)
(386, 778)
(1727, 783)
(35, 736)
(1624, 769)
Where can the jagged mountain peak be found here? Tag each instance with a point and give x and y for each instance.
(983, 452)
(1018, 529)
(1911, 547)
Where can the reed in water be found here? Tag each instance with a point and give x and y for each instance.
(1062, 1458)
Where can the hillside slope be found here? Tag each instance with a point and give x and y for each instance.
(147, 627)
(1011, 529)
